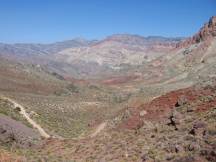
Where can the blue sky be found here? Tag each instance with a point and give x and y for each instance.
(47, 21)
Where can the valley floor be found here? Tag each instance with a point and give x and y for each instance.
(178, 126)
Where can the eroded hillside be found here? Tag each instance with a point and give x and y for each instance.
(124, 98)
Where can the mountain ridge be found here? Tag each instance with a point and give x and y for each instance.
(206, 32)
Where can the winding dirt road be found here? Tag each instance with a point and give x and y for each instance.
(26, 115)
(42, 132)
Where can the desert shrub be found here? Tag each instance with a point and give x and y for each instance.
(72, 88)
(58, 76)
(61, 92)
(94, 87)
(119, 98)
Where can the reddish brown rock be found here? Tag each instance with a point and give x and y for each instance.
(207, 32)
(160, 108)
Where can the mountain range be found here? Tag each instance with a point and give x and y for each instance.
(107, 54)
(123, 98)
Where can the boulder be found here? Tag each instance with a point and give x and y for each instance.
(143, 113)
(182, 100)
(175, 119)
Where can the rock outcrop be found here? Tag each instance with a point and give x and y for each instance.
(206, 33)
(14, 132)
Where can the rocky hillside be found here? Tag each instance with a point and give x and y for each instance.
(117, 54)
(24, 49)
(139, 99)
(120, 49)
(207, 32)
(177, 127)
(81, 58)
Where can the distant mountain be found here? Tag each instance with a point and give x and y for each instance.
(59, 46)
(84, 58)
(119, 49)
(140, 40)
(23, 49)
(137, 39)
(81, 57)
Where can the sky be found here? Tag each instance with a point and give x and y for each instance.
(46, 21)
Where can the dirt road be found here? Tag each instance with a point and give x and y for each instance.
(99, 129)
(27, 117)
(42, 132)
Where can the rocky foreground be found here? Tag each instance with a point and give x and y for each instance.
(179, 126)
